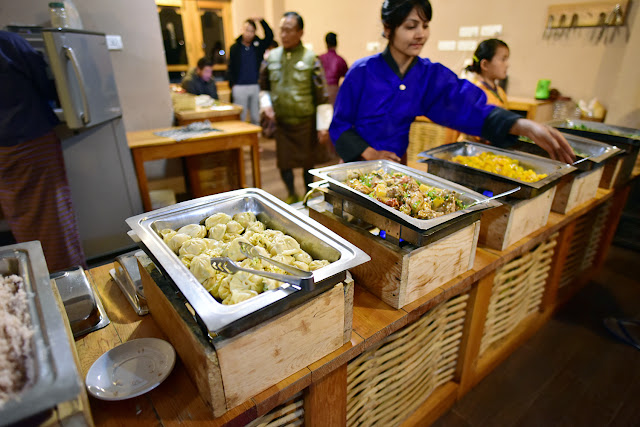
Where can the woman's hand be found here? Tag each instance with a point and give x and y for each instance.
(372, 154)
(550, 139)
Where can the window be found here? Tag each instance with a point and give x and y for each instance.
(192, 29)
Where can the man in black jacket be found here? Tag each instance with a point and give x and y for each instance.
(245, 57)
(199, 80)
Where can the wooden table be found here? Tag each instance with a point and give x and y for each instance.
(540, 110)
(222, 111)
(324, 382)
(234, 135)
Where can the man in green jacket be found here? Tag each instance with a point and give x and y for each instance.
(296, 96)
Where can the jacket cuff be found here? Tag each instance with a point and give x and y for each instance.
(497, 125)
(350, 145)
(324, 115)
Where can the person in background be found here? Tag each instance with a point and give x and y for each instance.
(335, 67)
(382, 94)
(199, 80)
(34, 192)
(295, 94)
(490, 64)
(268, 124)
(245, 57)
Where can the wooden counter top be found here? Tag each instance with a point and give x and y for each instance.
(176, 400)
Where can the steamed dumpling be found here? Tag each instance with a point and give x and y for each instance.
(234, 227)
(215, 219)
(238, 296)
(177, 240)
(186, 260)
(285, 245)
(285, 259)
(302, 256)
(194, 246)
(316, 264)
(245, 218)
(301, 265)
(193, 230)
(233, 250)
(201, 268)
(218, 231)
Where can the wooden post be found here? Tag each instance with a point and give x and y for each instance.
(472, 333)
(325, 401)
(617, 206)
(549, 300)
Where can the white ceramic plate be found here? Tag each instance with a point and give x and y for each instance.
(131, 369)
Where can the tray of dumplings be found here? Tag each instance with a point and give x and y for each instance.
(186, 239)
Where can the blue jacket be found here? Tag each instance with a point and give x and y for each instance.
(376, 106)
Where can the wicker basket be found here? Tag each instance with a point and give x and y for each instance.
(290, 413)
(517, 292)
(388, 382)
(585, 243)
(424, 135)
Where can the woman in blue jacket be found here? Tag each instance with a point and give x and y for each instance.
(382, 94)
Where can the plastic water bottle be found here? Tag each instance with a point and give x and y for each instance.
(58, 15)
(73, 17)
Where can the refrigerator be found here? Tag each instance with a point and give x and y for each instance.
(97, 158)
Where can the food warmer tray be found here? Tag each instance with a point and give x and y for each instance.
(55, 376)
(81, 302)
(597, 152)
(219, 320)
(336, 176)
(439, 160)
(621, 136)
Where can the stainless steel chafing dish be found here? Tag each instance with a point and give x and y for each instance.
(55, 376)
(622, 137)
(221, 320)
(599, 131)
(337, 175)
(440, 163)
(590, 154)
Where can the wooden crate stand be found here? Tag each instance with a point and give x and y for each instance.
(578, 189)
(517, 292)
(503, 226)
(401, 275)
(389, 381)
(238, 368)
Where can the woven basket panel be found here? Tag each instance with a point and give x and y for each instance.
(388, 382)
(517, 292)
(426, 135)
(290, 413)
(585, 243)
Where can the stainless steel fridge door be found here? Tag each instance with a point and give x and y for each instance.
(82, 69)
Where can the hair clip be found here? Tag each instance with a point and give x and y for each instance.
(475, 58)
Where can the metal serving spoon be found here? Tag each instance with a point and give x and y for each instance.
(506, 193)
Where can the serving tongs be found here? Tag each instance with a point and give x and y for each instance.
(299, 279)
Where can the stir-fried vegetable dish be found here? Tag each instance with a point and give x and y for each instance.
(606, 131)
(501, 165)
(405, 194)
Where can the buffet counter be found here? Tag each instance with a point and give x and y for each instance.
(325, 393)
